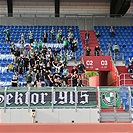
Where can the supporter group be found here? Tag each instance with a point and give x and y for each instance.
(41, 65)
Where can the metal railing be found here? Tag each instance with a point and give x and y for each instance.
(125, 79)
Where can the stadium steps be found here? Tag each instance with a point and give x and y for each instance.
(92, 41)
(113, 117)
(128, 80)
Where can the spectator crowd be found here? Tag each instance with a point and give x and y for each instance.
(45, 66)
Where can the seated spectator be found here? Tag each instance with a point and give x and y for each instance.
(116, 48)
(112, 32)
(97, 51)
(88, 50)
(14, 81)
(98, 34)
(87, 35)
(10, 67)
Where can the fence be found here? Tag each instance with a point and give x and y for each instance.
(125, 79)
(48, 97)
(71, 97)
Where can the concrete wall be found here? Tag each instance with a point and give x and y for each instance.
(66, 6)
(84, 23)
(46, 115)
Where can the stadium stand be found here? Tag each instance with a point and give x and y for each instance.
(16, 34)
(123, 37)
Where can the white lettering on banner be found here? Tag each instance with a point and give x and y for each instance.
(64, 98)
(43, 97)
(1, 98)
(8, 98)
(71, 98)
(54, 101)
(35, 98)
(26, 97)
(18, 98)
(89, 62)
(104, 62)
(85, 96)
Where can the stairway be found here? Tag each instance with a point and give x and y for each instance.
(92, 41)
(115, 117)
(124, 77)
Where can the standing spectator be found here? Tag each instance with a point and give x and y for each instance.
(65, 44)
(65, 76)
(58, 37)
(70, 37)
(29, 78)
(81, 68)
(32, 62)
(87, 35)
(112, 32)
(8, 36)
(35, 45)
(79, 80)
(22, 38)
(52, 33)
(21, 46)
(31, 38)
(17, 54)
(74, 79)
(98, 34)
(109, 49)
(26, 63)
(60, 32)
(88, 50)
(74, 44)
(14, 81)
(116, 48)
(40, 44)
(45, 36)
(74, 70)
(97, 51)
(12, 48)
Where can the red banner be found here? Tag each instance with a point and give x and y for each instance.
(97, 63)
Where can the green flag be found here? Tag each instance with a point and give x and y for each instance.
(110, 97)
